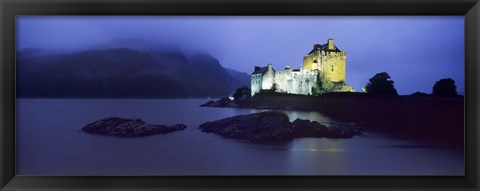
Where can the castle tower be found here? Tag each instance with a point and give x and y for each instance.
(328, 60)
(268, 78)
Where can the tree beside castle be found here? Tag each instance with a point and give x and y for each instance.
(324, 70)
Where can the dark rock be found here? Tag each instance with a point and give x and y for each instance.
(307, 128)
(267, 126)
(223, 102)
(274, 126)
(232, 104)
(343, 130)
(115, 126)
(210, 103)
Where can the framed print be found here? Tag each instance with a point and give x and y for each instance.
(239, 95)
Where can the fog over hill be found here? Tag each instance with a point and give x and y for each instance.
(123, 73)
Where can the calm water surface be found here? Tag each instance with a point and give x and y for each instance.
(50, 142)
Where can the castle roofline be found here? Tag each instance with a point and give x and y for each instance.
(262, 70)
(324, 47)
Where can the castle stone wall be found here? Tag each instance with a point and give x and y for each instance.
(255, 83)
(332, 66)
(268, 78)
(296, 82)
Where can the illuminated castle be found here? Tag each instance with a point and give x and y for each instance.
(323, 70)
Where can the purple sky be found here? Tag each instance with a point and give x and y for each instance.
(415, 50)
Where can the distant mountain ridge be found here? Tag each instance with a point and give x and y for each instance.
(124, 73)
(243, 77)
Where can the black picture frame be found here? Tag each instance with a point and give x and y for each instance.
(11, 8)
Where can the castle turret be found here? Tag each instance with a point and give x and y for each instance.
(331, 45)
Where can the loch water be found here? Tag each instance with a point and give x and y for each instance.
(49, 141)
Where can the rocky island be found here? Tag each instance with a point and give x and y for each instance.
(115, 126)
(275, 126)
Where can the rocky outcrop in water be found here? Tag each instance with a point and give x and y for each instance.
(275, 126)
(115, 126)
(223, 102)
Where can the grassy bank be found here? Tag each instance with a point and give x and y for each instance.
(423, 117)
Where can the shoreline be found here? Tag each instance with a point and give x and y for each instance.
(436, 119)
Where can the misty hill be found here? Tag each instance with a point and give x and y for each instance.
(31, 52)
(123, 72)
(243, 77)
